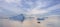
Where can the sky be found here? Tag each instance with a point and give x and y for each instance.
(9, 8)
(15, 7)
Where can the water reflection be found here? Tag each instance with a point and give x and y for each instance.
(51, 21)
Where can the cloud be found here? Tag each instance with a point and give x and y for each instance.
(4, 12)
(54, 7)
(44, 8)
(54, 10)
(37, 7)
(35, 11)
(11, 7)
(12, 1)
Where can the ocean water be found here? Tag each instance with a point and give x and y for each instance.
(51, 21)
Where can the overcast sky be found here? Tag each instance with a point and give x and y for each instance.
(42, 7)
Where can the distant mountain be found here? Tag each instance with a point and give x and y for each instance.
(20, 17)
